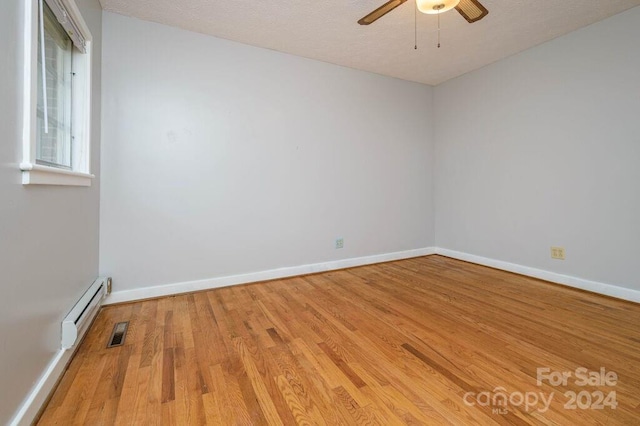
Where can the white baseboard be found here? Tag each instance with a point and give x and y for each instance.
(42, 389)
(210, 283)
(593, 286)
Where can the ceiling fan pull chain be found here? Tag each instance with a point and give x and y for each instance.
(438, 29)
(415, 26)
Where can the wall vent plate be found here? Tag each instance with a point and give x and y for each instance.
(118, 334)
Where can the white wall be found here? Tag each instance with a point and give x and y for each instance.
(48, 235)
(221, 158)
(543, 149)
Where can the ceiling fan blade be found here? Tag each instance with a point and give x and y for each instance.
(380, 12)
(472, 10)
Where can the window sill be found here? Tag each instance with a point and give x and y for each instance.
(36, 174)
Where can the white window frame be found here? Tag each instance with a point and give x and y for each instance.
(39, 174)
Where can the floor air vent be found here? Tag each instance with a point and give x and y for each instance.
(118, 334)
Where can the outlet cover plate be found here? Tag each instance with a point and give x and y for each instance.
(557, 253)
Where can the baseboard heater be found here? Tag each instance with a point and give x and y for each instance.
(77, 321)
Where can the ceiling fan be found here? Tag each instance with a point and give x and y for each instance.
(471, 10)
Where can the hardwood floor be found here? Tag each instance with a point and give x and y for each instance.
(428, 341)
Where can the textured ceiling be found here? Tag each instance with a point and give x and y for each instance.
(328, 30)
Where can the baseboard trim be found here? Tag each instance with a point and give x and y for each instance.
(567, 280)
(211, 283)
(40, 392)
(271, 274)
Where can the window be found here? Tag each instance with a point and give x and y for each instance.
(53, 128)
(56, 142)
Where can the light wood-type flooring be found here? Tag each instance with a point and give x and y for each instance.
(426, 341)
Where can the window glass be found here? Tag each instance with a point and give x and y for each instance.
(53, 138)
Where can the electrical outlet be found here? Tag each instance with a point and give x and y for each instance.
(557, 253)
(339, 243)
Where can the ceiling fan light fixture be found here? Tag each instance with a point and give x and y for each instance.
(432, 7)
